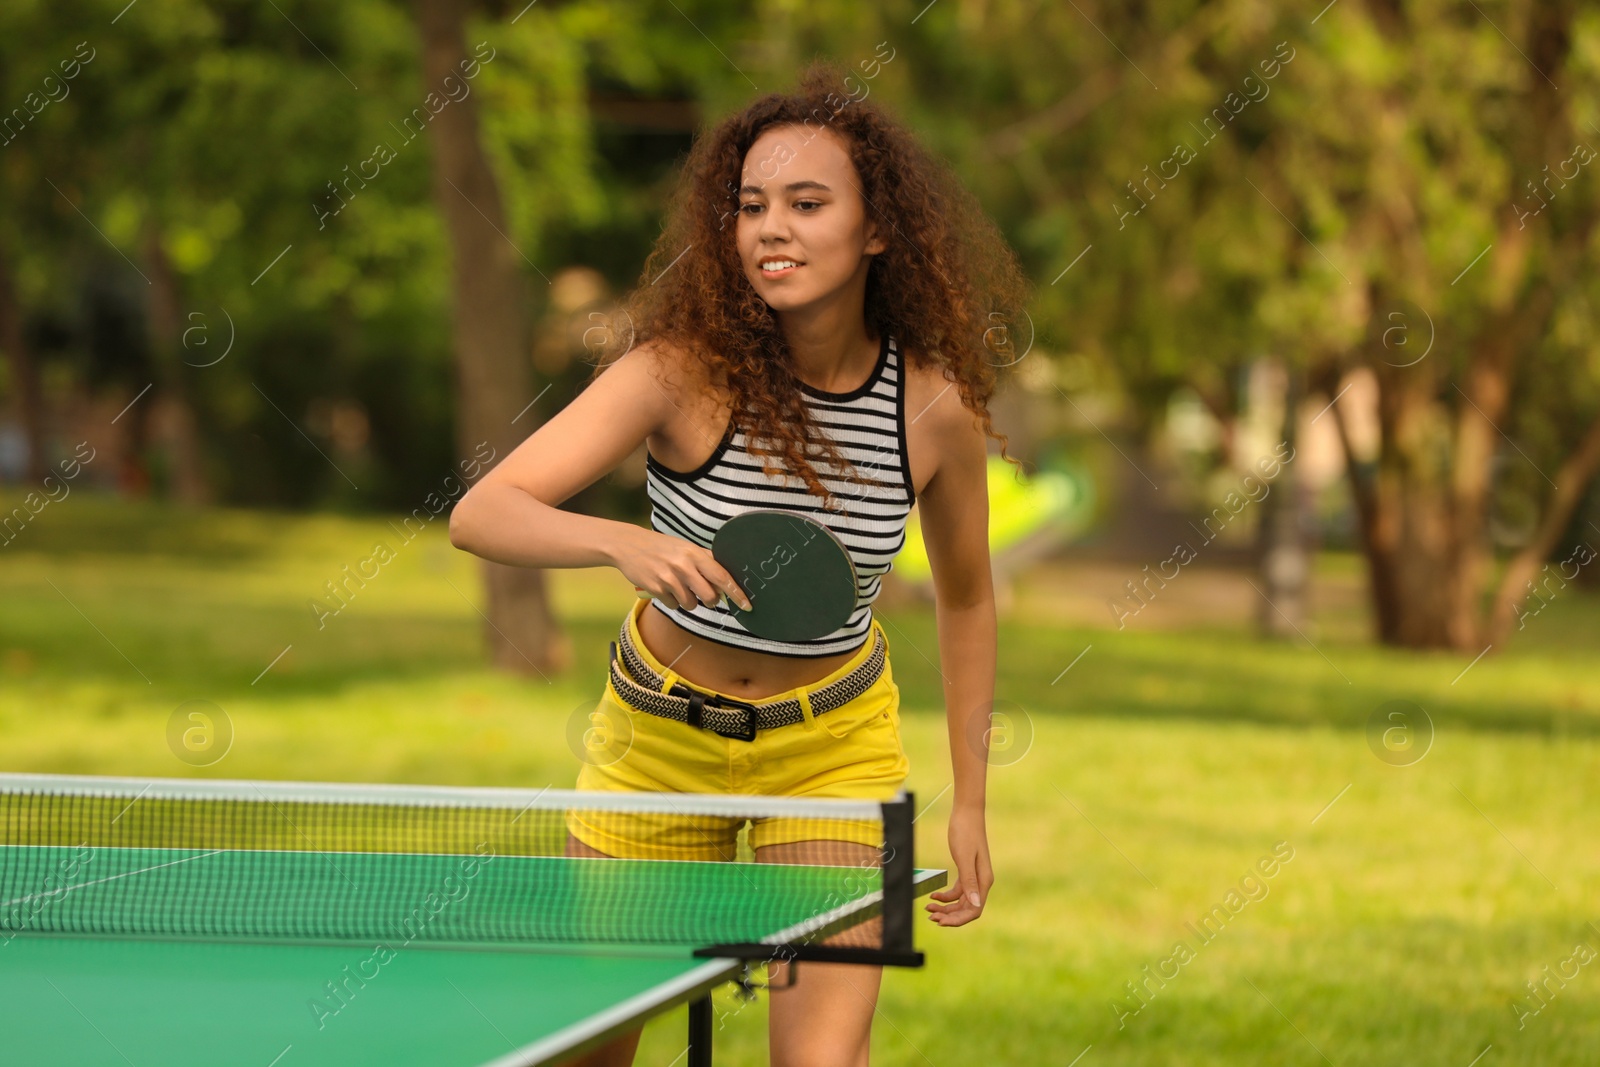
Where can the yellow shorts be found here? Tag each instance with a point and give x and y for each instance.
(851, 752)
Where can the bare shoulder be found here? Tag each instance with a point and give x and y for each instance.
(948, 457)
(661, 355)
(932, 397)
(939, 428)
(679, 374)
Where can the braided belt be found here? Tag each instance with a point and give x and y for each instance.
(724, 715)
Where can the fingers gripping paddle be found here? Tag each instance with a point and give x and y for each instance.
(796, 572)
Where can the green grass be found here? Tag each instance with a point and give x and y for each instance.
(1162, 766)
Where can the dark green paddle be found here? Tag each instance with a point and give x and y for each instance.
(797, 574)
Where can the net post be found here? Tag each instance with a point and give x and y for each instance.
(899, 867)
(700, 1032)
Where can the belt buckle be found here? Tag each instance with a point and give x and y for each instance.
(698, 699)
(747, 734)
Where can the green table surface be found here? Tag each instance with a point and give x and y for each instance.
(73, 1000)
(595, 943)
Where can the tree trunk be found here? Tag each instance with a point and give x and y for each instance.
(1375, 527)
(172, 407)
(23, 372)
(1413, 479)
(489, 333)
(1403, 508)
(1398, 506)
(133, 476)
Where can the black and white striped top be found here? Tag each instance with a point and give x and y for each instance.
(867, 425)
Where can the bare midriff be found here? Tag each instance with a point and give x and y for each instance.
(738, 672)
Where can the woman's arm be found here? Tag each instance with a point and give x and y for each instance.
(954, 511)
(508, 524)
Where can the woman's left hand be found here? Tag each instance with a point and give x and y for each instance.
(969, 850)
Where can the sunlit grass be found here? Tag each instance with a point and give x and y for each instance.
(1162, 766)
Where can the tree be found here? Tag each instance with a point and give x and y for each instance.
(1239, 180)
(489, 325)
(1447, 173)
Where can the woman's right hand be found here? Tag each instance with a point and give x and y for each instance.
(680, 574)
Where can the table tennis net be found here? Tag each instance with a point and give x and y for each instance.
(398, 865)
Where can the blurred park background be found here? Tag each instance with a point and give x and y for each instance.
(1309, 400)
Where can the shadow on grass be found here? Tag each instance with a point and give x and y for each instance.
(1170, 676)
(84, 524)
(1200, 676)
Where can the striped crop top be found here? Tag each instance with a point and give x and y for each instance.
(868, 425)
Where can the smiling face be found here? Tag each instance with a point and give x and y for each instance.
(800, 204)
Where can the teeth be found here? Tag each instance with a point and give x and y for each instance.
(779, 264)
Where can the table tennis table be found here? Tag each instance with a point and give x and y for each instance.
(270, 924)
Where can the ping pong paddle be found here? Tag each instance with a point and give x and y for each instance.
(797, 574)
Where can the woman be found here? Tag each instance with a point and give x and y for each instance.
(820, 305)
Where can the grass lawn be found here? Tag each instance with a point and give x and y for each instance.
(1408, 910)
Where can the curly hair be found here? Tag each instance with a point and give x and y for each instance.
(946, 287)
